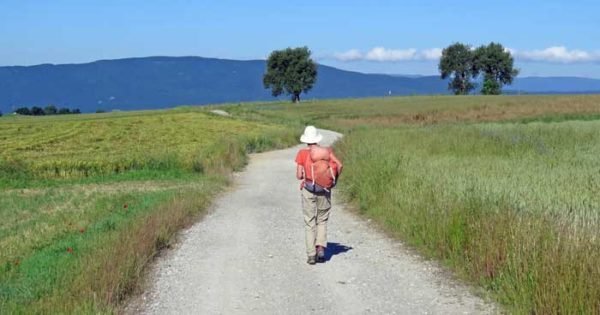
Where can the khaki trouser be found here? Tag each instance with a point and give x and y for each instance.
(315, 208)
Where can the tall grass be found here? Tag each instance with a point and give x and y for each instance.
(513, 207)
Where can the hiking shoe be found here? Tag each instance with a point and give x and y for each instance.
(320, 254)
(311, 260)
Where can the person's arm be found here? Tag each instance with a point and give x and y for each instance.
(299, 168)
(336, 161)
(299, 171)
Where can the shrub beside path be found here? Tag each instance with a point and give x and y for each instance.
(247, 256)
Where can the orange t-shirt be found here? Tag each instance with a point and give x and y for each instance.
(303, 158)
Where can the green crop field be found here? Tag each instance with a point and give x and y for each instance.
(503, 190)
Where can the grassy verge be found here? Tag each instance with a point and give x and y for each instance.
(87, 201)
(75, 262)
(512, 207)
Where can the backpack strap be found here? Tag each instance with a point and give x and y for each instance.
(332, 174)
(330, 168)
(312, 167)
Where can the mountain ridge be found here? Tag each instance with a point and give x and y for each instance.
(162, 81)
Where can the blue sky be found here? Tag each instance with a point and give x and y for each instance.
(404, 37)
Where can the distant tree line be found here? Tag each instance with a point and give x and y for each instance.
(46, 111)
(461, 62)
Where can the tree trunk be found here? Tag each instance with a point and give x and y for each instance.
(296, 98)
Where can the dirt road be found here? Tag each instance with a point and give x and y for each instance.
(247, 257)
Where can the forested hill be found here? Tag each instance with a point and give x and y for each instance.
(158, 82)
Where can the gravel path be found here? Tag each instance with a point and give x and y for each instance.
(247, 256)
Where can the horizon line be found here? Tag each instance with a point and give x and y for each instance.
(251, 60)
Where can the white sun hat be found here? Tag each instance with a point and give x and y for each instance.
(311, 135)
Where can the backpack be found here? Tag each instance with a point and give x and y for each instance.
(321, 172)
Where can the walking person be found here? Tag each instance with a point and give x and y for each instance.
(318, 169)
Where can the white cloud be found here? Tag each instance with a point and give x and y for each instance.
(383, 54)
(350, 55)
(431, 54)
(557, 54)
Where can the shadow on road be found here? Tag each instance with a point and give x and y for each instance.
(335, 249)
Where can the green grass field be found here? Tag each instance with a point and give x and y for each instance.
(503, 190)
